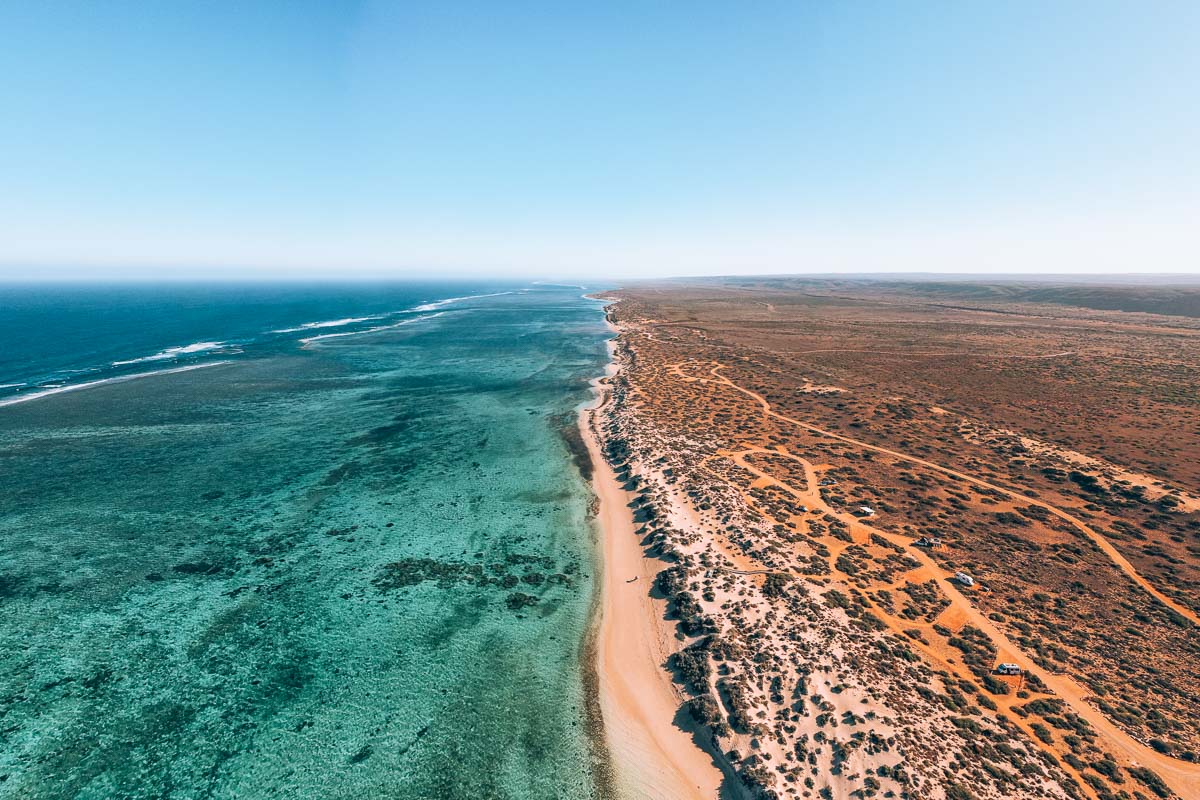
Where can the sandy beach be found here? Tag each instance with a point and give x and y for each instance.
(652, 756)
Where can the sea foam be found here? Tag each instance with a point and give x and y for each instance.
(50, 389)
(332, 323)
(174, 352)
(441, 303)
(310, 339)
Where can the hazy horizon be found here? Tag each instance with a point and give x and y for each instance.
(375, 140)
(597, 282)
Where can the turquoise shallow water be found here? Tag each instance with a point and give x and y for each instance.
(358, 570)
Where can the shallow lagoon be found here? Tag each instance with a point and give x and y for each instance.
(357, 570)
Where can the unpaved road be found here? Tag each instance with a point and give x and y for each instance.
(1180, 776)
(1099, 540)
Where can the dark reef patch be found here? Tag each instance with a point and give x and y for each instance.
(572, 437)
(198, 568)
(519, 600)
(414, 571)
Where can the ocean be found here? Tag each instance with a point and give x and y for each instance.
(334, 547)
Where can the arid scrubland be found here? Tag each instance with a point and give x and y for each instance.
(814, 462)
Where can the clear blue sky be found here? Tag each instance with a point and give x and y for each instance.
(266, 138)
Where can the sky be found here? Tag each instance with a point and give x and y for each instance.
(305, 139)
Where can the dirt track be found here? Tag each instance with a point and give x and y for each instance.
(1099, 540)
(1182, 777)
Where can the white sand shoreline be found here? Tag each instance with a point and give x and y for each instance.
(652, 757)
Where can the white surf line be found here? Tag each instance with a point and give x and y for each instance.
(174, 352)
(332, 323)
(24, 398)
(432, 306)
(309, 340)
(439, 303)
(561, 285)
(337, 323)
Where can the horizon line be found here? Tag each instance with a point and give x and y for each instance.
(541, 277)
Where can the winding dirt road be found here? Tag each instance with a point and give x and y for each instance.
(1180, 776)
(1096, 538)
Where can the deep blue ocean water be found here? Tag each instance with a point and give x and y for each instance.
(353, 566)
(53, 335)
